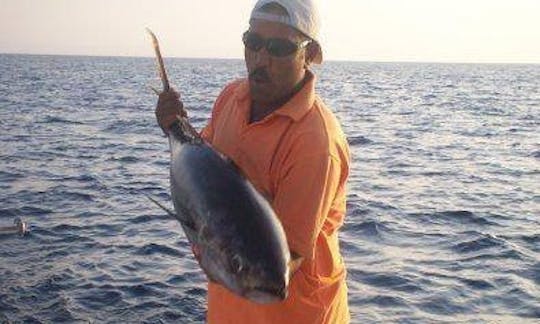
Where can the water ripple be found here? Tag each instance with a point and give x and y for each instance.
(442, 213)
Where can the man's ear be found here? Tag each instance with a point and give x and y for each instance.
(311, 52)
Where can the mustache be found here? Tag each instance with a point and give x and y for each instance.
(260, 73)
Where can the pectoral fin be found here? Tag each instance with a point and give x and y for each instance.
(188, 226)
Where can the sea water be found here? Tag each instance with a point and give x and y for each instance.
(443, 219)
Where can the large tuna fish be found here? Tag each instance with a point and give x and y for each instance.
(236, 236)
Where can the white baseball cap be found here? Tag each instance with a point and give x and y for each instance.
(303, 16)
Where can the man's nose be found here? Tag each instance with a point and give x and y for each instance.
(262, 56)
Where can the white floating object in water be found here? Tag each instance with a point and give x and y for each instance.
(20, 228)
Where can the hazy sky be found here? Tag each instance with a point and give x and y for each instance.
(359, 30)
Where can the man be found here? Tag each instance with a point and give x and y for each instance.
(290, 146)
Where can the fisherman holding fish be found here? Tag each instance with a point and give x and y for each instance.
(290, 146)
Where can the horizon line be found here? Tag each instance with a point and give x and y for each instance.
(241, 59)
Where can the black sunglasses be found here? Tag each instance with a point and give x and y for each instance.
(278, 47)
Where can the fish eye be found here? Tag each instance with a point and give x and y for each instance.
(236, 263)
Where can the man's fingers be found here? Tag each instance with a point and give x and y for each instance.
(170, 103)
(168, 108)
(169, 95)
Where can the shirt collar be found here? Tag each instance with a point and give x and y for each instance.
(297, 107)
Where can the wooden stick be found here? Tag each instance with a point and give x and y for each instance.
(161, 65)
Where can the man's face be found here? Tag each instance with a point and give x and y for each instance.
(273, 78)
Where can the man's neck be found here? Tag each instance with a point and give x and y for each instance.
(259, 110)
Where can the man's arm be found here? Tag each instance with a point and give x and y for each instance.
(303, 200)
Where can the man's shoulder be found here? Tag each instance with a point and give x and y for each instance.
(322, 128)
(322, 120)
(232, 90)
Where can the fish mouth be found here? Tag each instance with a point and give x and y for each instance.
(267, 295)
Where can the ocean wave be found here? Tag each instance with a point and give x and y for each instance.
(440, 225)
(24, 211)
(359, 141)
(368, 228)
(486, 241)
(152, 248)
(60, 120)
(385, 301)
(385, 280)
(462, 217)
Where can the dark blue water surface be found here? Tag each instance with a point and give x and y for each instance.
(443, 221)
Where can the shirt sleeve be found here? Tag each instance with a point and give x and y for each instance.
(304, 197)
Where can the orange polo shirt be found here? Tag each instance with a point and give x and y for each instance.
(298, 158)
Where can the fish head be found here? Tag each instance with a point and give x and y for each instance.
(257, 281)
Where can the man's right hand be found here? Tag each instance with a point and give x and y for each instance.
(168, 108)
